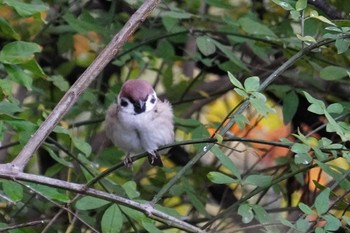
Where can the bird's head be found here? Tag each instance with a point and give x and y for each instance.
(137, 96)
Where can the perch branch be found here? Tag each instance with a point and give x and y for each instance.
(82, 189)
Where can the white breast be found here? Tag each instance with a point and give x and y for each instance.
(142, 132)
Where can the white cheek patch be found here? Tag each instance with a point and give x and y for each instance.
(126, 105)
(151, 101)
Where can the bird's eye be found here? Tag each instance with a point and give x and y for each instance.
(124, 103)
(153, 100)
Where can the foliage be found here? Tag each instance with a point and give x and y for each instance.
(260, 92)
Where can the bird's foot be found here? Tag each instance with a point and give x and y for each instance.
(154, 159)
(128, 161)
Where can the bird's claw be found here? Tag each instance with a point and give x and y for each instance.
(128, 161)
(154, 159)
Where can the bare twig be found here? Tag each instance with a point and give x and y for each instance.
(79, 86)
(21, 225)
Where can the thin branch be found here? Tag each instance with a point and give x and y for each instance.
(21, 225)
(256, 191)
(11, 144)
(328, 9)
(72, 95)
(241, 109)
(52, 220)
(81, 188)
(56, 204)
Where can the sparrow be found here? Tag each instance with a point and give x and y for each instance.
(140, 122)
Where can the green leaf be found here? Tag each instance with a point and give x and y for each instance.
(218, 3)
(2, 130)
(258, 180)
(57, 158)
(287, 223)
(82, 145)
(59, 82)
(241, 92)
(9, 108)
(302, 225)
(193, 123)
(342, 45)
(253, 27)
(300, 5)
(346, 219)
(227, 50)
(235, 81)
(260, 213)
(320, 230)
(177, 14)
(241, 121)
(150, 226)
(226, 161)
(194, 199)
(308, 39)
(170, 23)
(18, 52)
(305, 208)
(302, 158)
(333, 223)
(112, 220)
(323, 19)
(322, 201)
(300, 148)
(319, 153)
(50, 192)
(334, 73)
(17, 74)
(220, 178)
(26, 9)
(90, 203)
(205, 45)
(165, 50)
(260, 105)
(335, 108)
(245, 210)
(285, 5)
(134, 214)
(24, 129)
(252, 84)
(83, 25)
(7, 31)
(130, 189)
(290, 106)
(317, 106)
(13, 190)
(6, 87)
(34, 67)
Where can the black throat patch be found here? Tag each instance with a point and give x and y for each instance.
(139, 106)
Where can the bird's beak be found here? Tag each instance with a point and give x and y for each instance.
(140, 106)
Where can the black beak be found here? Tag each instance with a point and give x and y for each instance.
(139, 106)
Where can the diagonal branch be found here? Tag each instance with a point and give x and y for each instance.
(79, 86)
(82, 189)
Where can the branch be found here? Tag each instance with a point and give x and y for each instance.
(79, 86)
(241, 109)
(21, 225)
(82, 189)
(62, 207)
(328, 9)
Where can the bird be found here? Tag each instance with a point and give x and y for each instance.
(138, 121)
